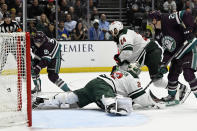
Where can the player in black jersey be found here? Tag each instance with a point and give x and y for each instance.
(173, 31)
(8, 46)
(47, 53)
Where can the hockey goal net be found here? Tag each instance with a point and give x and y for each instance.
(15, 79)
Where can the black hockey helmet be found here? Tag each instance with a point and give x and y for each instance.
(156, 14)
(39, 37)
(6, 15)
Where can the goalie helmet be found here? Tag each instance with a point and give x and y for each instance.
(116, 25)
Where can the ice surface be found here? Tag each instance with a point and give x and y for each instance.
(176, 118)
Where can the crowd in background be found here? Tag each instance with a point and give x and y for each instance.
(73, 16)
(138, 9)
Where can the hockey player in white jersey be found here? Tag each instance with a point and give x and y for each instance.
(136, 51)
(114, 93)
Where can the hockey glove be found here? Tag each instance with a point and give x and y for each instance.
(188, 34)
(134, 68)
(162, 68)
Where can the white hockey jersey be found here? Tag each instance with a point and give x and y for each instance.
(123, 83)
(131, 45)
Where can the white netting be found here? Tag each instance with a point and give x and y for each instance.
(13, 78)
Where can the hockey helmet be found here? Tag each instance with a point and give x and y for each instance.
(39, 38)
(116, 25)
(6, 15)
(156, 14)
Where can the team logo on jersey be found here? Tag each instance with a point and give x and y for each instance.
(46, 52)
(168, 43)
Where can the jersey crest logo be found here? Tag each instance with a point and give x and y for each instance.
(168, 43)
(46, 52)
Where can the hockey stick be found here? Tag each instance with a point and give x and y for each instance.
(175, 54)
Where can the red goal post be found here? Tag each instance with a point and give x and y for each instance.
(15, 79)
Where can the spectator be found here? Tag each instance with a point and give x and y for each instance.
(194, 10)
(61, 15)
(104, 25)
(64, 6)
(79, 9)
(146, 5)
(188, 5)
(62, 32)
(43, 23)
(69, 24)
(159, 4)
(169, 6)
(31, 26)
(49, 10)
(195, 4)
(18, 5)
(133, 6)
(91, 5)
(13, 13)
(50, 31)
(79, 33)
(71, 11)
(35, 10)
(94, 14)
(3, 9)
(95, 3)
(2, 2)
(180, 4)
(95, 33)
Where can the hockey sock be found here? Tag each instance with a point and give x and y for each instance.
(172, 92)
(172, 87)
(65, 87)
(60, 83)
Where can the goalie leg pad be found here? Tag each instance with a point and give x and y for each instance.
(67, 98)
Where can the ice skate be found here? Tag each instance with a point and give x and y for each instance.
(36, 89)
(184, 92)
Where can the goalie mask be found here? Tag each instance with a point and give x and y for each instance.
(39, 38)
(115, 27)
